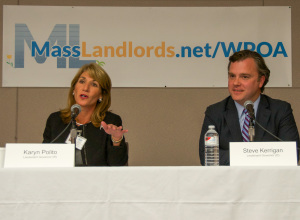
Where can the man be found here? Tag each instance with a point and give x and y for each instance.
(247, 77)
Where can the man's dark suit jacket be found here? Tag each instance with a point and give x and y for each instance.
(274, 115)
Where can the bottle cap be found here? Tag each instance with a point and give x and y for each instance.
(211, 127)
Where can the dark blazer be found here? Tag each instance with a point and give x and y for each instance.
(274, 115)
(98, 149)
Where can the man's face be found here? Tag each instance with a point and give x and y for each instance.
(243, 81)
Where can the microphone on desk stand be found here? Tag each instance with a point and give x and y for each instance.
(250, 108)
(75, 110)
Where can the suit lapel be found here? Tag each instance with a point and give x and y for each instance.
(232, 119)
(263, 116)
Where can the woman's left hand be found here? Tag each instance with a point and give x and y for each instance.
(115, 131)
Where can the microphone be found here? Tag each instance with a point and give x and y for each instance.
(250, 108)
(75, 110)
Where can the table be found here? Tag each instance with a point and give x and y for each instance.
(144, 193)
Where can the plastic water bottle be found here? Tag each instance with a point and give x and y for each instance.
(211, 147)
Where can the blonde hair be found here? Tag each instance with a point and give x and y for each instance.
(97, 73)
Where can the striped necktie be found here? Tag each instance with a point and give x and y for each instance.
(245, 130)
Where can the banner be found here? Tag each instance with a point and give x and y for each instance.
(43, 46)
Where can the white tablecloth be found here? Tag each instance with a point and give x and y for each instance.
(142, 193)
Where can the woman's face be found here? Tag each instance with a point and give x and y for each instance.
(87, 91)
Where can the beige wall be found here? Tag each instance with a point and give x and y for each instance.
(164, 123)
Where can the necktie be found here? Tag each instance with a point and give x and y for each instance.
(245, 130)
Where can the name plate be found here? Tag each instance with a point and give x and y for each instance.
(277, 153)
(39, 155)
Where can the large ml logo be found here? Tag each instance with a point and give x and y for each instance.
(56, 46)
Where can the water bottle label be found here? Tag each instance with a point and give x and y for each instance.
(211, 141)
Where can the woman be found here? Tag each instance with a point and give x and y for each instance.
(105, 144)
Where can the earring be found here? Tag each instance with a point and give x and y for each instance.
(73, 92)
(99, 100)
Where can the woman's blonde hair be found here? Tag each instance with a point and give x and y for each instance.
(97, 73)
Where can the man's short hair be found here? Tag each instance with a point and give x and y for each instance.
(262, 68)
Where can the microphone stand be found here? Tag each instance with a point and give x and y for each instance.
(73, 132)
(251, 130)
(73, 135)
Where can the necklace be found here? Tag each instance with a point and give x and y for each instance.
(81, 124)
